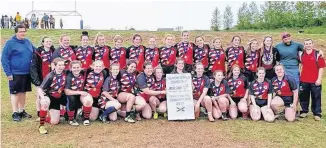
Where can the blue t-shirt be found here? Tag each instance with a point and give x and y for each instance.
(289, 54)
(45, 17)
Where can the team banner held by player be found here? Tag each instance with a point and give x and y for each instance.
(179, 97)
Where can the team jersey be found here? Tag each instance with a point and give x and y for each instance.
(168, 56)
(185, 51)
(201, 55)
(221, 89)
(54, 84)
(85, 56)
(200, 83)
(137, 54)
(102, 53)
(238, 86)
(284, 87)
(235, 55)
(261, 90)
(118, 55)
(76, 83)
(94, 83)
(127, 81)
(67, 54)
(217, 59)
(152, 56)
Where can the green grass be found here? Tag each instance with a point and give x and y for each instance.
(302, 133)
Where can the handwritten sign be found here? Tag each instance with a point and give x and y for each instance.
(179, 97)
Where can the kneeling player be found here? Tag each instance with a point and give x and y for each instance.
(219, 91)
(51, 94)
(94, 83)
(76, 95)
(286, 93)
(239, 92)
(200, 87)
(261, 97)
(108, 101)
(158, 103)
(145, 82)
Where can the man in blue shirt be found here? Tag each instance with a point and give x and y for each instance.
(46, 21)
(16, 59)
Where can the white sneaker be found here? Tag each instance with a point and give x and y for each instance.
(73, 123)
(86, 122)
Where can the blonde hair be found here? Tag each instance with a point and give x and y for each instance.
(117, 38)
(62, 36)
(250, 42)
(96, 38)
(214, 39)
(57, 60)
(218, 71)
(169, 35)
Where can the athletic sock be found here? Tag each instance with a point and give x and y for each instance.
(71, 115)
(42, 114)
(109, 110)
(127, 114)
(87, 111)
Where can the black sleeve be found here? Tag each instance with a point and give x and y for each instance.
(270, 90)
(47, 81)
(128, 52)
(227, 53)
(35, 70)
(141, 81)
(93, 55)
(276, 54)
(245, 80)
(109, 52)
(68, 82)
(207, 83)
(55, 54)
(227, 88)
(292, 83)
(106, 84)
(300, 47)
(251, 91)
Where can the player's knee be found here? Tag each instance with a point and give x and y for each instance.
(207, 99)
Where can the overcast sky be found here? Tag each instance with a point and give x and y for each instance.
(142, 15)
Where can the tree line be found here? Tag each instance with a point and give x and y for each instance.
(272, 15)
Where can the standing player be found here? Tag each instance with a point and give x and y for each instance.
(217, 57)
(201, 52)
(76, 96)
(51, 94)
(252, 60)
(41, 67)
(137, 52)
(185, 50)
(152, 52)
(118, 53)
(269, 56)
(101, 51)
(65, 51)
(310, 80)
(235, 54)
(84, 52)
(168, 54)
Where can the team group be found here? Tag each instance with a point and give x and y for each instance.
(107, 82)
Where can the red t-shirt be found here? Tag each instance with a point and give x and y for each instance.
(309, 73)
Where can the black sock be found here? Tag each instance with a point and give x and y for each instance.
(127, 114)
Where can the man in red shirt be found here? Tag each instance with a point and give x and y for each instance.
(312, 65)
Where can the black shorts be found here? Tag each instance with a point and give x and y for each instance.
(261, 102)
(287, 100)
(161, 99)
(56, 102)
(270, 74)
(75, 99)
(20, 84)
(236, 100)
(95, 102)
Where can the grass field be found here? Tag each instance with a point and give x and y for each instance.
(160, 133)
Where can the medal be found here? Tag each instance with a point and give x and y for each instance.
(167, 62)
(49, 65)
(84, 62)
(59, 91)
(94, 89)
(236, 62)
(198, 93)
(218, 62)
(280, 93)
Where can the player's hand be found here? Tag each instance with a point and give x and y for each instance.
(83, 93)
(318, 82)
(10, 78)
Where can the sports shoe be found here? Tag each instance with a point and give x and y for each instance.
(303, 115)
(73, 122)
(129, 119)
(104, 119)
(24, 114)
(155, 115)
(86, 122)
(165, 115)
(317, 118)
(224, 117)
(42, 130)
(16, 117)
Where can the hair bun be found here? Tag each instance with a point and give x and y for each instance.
(85, 33)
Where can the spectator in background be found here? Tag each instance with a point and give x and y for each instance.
(52, 22)
(6, 21)
(37, 23)
(46, 21)
(11, 22)
(26, 23)
(61, 23)
(18, 18)
(33, 21)
(2, 22)
(42, 23)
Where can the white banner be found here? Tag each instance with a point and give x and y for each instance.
(179, 97)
